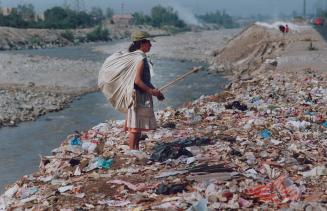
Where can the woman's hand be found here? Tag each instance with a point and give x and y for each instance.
(161, 97)
(158, 94)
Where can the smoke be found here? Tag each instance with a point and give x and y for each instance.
(184, 13)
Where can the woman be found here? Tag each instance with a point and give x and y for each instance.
(140, 116)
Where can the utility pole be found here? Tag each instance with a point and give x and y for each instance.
(82, 5)
(122, 8)
(304, 8)
(77, 5)
(66, 4)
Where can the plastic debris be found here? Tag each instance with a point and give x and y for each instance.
(317, 171)
(114, 203)
(324, 124)
(65, 188)
(76, 141)
(26, 192)
(170, 173)
(99, 162)
(265, 134)
(281, 190)
(201, 205)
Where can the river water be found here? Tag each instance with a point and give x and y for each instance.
(21, 146)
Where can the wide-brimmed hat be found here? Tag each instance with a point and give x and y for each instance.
(141, 35)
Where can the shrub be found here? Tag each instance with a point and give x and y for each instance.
(35, 40)
(98, 34)
(68, 35)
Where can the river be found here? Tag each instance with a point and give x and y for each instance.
(21, 146)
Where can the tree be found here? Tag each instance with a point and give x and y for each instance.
(97, 14)
(165, 16)
(219, 18)
(140, 19)
(55, 17)
(109, 13)
(83, 19)
(26, 11)
(15, 20)
(58, 17)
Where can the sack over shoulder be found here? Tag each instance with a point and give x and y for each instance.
(116, 78)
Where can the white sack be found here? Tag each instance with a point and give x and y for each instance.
(116, 78)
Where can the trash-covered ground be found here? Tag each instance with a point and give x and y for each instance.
(261, 144)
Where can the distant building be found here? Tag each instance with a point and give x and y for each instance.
(122, 19)
(39, 17)
(6, 11)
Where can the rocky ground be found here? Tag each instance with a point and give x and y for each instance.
(31, 86)
(15, 39)
(34, 85)
(261, 144)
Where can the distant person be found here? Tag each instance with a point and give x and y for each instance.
(140, 116)
(282, 28)
(286, 29)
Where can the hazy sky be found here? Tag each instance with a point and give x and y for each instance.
(233, 7)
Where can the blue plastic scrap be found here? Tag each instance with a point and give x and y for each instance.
(76, 141)
(324, 124)
(104, 164)
(265, 134)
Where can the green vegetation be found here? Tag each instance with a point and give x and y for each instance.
(67, 34)
(60, 18)
(99, 33)
(160, 17)
(24, 16)
(35, 40)
(220, 18)
(13, 20)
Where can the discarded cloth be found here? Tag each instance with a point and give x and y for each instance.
(236, 105)
(173, 150)
(171, 189)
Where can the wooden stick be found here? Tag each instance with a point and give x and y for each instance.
(194, 69)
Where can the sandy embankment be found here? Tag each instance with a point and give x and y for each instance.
(268, 151)
(34, 85)
(194, 46)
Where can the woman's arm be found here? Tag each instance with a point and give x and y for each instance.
(138, 81)
(138, 78)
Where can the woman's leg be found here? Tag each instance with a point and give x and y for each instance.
(132, 137)
(137, 143)
(134, 140)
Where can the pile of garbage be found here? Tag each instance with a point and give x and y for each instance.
(259, 144)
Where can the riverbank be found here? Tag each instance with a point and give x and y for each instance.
(259, 144)
(18, 39)
(34, 85)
